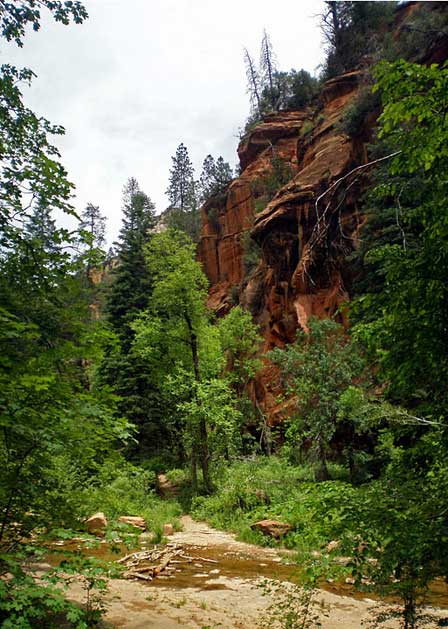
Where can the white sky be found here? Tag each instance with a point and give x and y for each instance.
(141, 76)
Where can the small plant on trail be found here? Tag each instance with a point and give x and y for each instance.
(92, 574)
(294, 606)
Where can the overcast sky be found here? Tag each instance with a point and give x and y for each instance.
(141, 76)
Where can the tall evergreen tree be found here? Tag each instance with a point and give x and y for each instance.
(268, 71)
(129, 294)
(94, 224)
(131, 285)
(92, 230)
(215, 176)
(181, 189)
(183, 211)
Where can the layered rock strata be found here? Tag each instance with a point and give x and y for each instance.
(301, 234)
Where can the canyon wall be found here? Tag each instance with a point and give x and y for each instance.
(301, 270)
(301, 237)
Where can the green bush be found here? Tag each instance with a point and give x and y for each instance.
(355, 116)
(252, 253)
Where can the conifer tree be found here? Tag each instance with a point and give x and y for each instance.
(215, 176)
(181, 189)
(253, 84)
(183, 211)
(131, 284)
(268, 71)
(129, 295)
(94, 224)
(92, 230)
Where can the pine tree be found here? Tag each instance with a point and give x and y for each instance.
(129, 295)
(92, 230)
(183, 211)
(181, 189)
(253, 84)
(94, 224)
(268, 72)
(131, 284)
(215, 176)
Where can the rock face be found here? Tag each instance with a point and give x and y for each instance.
(272, 528)
(292, 280)
(279, 242)
(97, 524)
(299, 234)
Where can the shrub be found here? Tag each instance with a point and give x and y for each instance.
(355, 116)
(252, 253)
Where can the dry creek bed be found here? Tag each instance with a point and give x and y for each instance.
(206, 579)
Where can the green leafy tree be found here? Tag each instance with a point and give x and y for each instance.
(402, 317)
(55, 426)
(179, 295)
(241, 343)
(30, 173)
(176, 338)
(317, 369)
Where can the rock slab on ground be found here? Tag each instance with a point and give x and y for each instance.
(165, 487)
(133, 520)
(272, 528)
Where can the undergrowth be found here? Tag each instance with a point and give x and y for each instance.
(272, 488)
(128, 490)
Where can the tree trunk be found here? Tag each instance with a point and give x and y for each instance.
(322, 473)
(409, 613)
(203, 437)
(194, 471)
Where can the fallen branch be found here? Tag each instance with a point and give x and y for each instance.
(354, 170)
(321, 227)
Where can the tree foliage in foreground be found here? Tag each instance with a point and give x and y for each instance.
(317, 370)
(187, 355)
(56, 426)
(403, 317)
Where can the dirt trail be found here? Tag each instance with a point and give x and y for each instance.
(218, 589)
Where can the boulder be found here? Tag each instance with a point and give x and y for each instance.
(97, 524)
(168, 529)
(133, 520)
(272, 528)
(165, 488)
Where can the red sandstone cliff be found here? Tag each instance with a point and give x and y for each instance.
(302, 268)
(287, 286)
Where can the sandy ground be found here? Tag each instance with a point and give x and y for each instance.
(220, 592)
